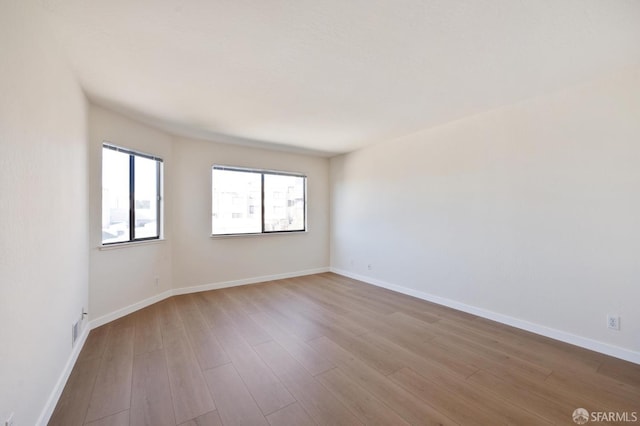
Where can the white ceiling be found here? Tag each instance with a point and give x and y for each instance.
(334, 75)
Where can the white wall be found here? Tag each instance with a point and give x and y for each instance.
(200, 259)
(125, 275)
(43, 212)
(530, 211)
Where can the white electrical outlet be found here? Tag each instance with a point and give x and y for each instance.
(369, 266)
(9, 421)
(613, 322)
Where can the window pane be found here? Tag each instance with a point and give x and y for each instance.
(236, 202)
(283, 203)
(146, 197)
(115, 196)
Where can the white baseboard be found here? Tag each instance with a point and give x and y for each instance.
(46, 413)
(195, 289)
(129, 309)
(245, 281)
(563, 336)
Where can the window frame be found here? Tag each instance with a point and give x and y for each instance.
(132, 197)
(262, 173)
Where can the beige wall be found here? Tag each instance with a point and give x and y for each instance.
(529, 213)
(43, 212)
(124, 275)
(123, 278)
(200, 259)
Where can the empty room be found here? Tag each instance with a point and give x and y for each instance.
(280, 212)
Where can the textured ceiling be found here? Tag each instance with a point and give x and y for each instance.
(333, 75)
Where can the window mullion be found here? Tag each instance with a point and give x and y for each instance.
(158, 188)
(262, 202)
(132, 216)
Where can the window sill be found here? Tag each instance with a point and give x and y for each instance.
(129, 244)
(261, 234)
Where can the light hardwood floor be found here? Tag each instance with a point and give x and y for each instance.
(325, 349)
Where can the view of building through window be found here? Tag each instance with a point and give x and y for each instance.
(238, 197)
(146, 197)
(283, 203)
(125, 199)
(237, 202)
(115, 196)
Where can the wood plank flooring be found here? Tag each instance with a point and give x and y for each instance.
(325, 349)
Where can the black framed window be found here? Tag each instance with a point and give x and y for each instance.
(253, 201)
(131, 195)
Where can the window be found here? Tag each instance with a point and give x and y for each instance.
(249, 201)
(131, 195)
